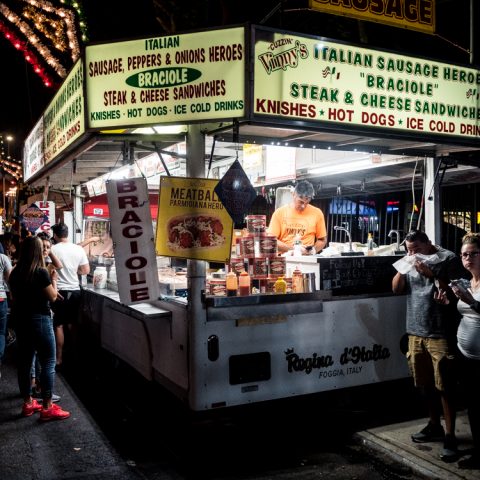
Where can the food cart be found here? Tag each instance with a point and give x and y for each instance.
(242, 85)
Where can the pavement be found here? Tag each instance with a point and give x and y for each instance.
(424, 458)
(76, 448)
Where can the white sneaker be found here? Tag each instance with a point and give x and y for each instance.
(38, 395)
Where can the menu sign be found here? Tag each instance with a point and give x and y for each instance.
(180, 78)
(317, 81)
(415, 15)
(63, 119)
(33, 159)
(192, 221)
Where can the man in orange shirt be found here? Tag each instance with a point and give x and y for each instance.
(299, 220)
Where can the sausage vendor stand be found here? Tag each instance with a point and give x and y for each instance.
(247, 85)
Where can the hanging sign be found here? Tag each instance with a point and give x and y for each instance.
(48, 208)
(236, 192)
(330, 84)
(63, 120)
(32, 218)
(33, 159)
(192, 221)
(132, 234)
(414, 15)
(197, 76)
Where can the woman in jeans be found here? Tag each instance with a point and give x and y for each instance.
(5, 269)
(32, 289)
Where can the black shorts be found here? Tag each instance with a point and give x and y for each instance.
(66, 311)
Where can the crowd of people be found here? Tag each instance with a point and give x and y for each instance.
(443, 327)
(39, 296)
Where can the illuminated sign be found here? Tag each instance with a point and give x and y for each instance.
(411, 14)
(198, 76)
(330, 83)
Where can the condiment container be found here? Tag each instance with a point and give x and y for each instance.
(280, 286)
(100, 277)
(244, 284)
(232, 284)
(297, 281)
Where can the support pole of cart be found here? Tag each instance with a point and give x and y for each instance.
(433, 218)
(196, 314)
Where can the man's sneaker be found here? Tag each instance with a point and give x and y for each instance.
(431, 433)
(38, 394)
(53, 413)
(449, 452)
(29, 409)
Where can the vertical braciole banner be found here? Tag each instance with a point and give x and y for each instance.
(132, 232)
(192, 221)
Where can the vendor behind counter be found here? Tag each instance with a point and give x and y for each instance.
(300, 220)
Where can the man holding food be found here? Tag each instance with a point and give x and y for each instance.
(299, 221)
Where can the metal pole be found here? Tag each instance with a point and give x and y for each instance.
(196, 272)
(472, 32)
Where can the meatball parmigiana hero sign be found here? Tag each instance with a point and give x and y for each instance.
(192, 221)
(197, 76)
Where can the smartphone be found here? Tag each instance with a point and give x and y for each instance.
(461, 284)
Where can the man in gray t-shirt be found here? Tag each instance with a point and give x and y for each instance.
(431, 329)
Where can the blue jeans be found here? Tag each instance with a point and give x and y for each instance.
(3, 326)
(35, 334)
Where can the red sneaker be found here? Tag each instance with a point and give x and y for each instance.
(29, 409)
(53, 413)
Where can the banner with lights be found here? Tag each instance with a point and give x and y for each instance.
(180, 78)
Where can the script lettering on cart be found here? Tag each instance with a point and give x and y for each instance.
(322, 363)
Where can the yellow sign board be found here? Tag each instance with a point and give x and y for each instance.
(319, 81)
(411, 14)
(175, 79)
(192, 221)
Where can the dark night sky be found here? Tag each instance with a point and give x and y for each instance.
(23, 97)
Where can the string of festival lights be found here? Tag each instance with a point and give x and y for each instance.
(8, 163)
(46, 33)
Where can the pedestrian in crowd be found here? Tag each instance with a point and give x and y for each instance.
(468, 341)
(11, 244)
(5, 269)
(32, 288)
(299, 220)
(74, 263)
(431, 334)
(52, 263)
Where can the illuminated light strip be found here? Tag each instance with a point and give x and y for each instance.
(34, 40)
(30, 57)
(68, 17)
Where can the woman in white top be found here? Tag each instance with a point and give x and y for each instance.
(468, 339)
